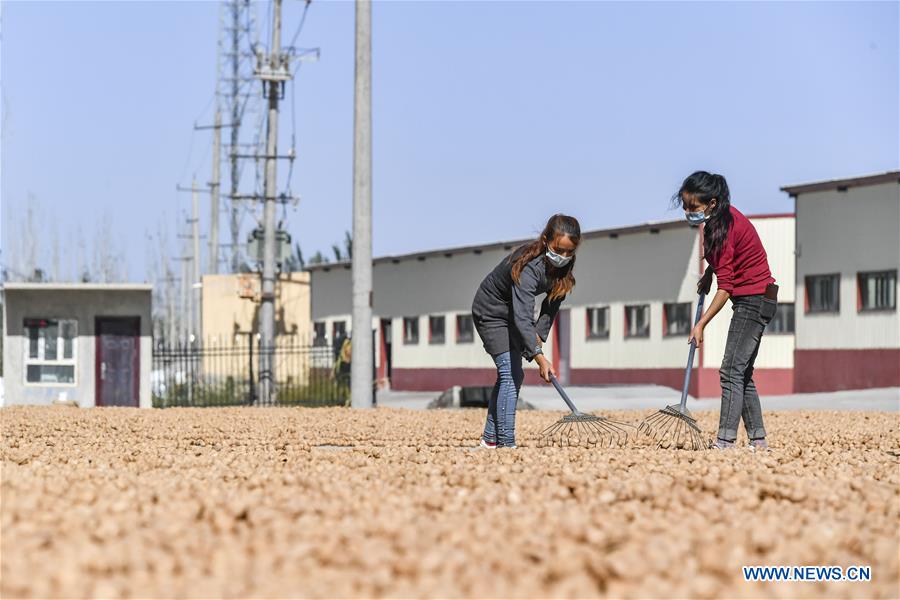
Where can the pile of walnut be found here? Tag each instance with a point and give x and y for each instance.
(391, 503)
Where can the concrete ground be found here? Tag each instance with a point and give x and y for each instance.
(647, 397)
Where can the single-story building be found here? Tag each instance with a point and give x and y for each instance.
(848, 254)
(88, 343)
(626, 322)
(230, 307)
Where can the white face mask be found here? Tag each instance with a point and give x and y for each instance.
(557, 260)
(696, 218)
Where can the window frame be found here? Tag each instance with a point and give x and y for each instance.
(409, 341)
(627, 322)
(806, 287)
(28, 361)
(588, 335)
(471, 329)
(793, 331)
(316, 339)
(432, 319)
(665, 319)
(859, 291)
(334, 332)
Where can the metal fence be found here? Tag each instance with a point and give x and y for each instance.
(228, 375)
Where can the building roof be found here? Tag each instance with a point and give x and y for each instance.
(651, 227)
(103, 287)
(841, 184)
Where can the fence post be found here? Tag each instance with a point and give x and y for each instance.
(252, 391)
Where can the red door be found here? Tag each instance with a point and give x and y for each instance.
(118, 368)
(384, 368)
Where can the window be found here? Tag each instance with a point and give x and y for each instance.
(877, 290)
(410, 330)
(677, 318)
(598, 323)
(465, 329)
(338, 330)
(823, 293)
(50, 352)
(319, 338)
(783, 321)
(637, 320)
(436, 330)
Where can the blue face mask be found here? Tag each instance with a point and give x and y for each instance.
(557, 260)
(696, 218)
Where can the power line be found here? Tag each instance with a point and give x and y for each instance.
(300, 26)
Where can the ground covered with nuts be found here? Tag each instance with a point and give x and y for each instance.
(395, 503)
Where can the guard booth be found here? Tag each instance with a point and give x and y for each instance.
(75, 343)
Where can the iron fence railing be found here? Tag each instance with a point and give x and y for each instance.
(229, 374)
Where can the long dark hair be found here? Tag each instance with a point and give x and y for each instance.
(705, 187)
(564, 280)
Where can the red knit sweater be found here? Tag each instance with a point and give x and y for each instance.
(742, 267)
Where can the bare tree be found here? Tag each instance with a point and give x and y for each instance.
(36, 250)
(83, 273)
(55, 270)
(22, 259)
(108, 260)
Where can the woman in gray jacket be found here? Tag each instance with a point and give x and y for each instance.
(503, 311)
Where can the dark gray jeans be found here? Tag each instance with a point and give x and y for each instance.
(739, 397)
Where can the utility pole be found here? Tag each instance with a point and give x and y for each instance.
(361, 383)
(235, 132)
(213, 249)
(172, 334)
(184, 323)
(195, 262)
(273, 73)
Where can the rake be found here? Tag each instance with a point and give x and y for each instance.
(580, 429)
(674, 426)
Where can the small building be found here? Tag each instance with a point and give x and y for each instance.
(230, 307)
(848, 254)
(230, 328)
(77, 342)
(626, 322)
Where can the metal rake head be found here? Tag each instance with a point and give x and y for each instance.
(674, 427)
(579, 429)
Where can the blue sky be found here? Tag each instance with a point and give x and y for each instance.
(488, 116)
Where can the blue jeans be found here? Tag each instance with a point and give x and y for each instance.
(500, 427)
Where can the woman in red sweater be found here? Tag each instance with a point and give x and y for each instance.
(735, 254)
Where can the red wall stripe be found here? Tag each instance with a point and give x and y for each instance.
(833, 370)
(704, 382)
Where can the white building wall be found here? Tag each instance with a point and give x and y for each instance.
(847, 232)
(777, 235)
(348, 319)
(634, 268)
(618, 352)
(640, 268)
(449, 354)
(438, 285)
(409, 287)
